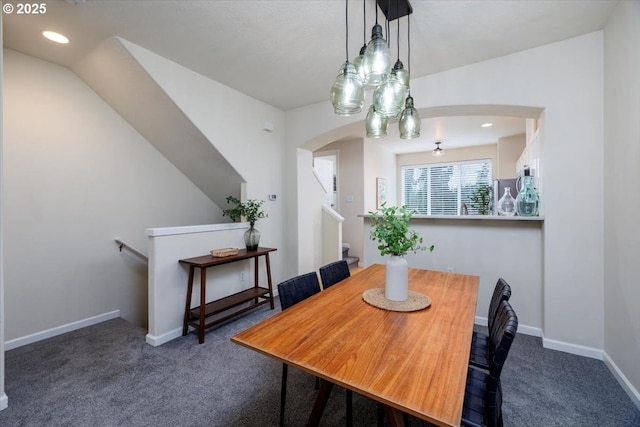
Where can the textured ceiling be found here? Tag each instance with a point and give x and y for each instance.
(286, 53)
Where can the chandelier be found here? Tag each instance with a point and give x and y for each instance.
(392, 101)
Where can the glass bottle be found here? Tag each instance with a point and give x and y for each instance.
(507, 204)
(527, 200)
(252, 238)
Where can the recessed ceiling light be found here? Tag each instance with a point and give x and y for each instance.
(55, 37)
(486, 125)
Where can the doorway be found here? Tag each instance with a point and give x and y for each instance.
(326, 166)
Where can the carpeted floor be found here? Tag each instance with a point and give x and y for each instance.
(106, 375)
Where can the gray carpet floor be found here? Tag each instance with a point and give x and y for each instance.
(106, 375)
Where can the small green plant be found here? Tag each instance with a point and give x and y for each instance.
(391, 231)
(481, 199)
(251, 210)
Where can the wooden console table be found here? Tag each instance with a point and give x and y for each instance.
(197, 317)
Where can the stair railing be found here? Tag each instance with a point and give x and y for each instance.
(122, 245)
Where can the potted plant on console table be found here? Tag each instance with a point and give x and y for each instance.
(390, 228)
(252, 211)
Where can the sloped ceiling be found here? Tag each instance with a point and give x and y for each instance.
(121, 81)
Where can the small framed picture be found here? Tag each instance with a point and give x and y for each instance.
(381, 192)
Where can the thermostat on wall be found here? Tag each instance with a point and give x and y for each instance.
(272, 197)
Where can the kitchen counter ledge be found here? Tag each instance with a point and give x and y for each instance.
(474, 217)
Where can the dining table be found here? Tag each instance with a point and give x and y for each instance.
(412, 362)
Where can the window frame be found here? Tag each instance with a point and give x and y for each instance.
(460, 189)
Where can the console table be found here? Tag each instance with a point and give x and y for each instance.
(197, 317)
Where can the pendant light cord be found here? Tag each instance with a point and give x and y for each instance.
(376, 12)
(346, 24)
(409, 52)
(364, 21)
(388, 23)
(398, 18)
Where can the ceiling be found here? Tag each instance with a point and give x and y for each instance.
(286, 53)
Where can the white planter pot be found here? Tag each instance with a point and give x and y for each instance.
(396, 286)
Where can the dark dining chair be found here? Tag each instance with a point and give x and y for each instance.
(291, 292)
(331, 274)
(480, 342)
(334, 272)
(483, 393)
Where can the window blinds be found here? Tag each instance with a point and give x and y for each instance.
(444, 188)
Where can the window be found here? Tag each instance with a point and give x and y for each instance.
(445, 188)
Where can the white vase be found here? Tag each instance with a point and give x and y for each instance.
(396, 285)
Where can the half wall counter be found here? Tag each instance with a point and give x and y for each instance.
(489, 246)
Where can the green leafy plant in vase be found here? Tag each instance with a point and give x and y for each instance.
(481, 199)
(251, 211)
(391, 229)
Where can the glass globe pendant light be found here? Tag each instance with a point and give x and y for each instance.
(389, 96)
(377, 58)
(409, 119)
(347, 92)
(376, 123)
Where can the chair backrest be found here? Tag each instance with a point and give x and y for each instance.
(502, 291)
(334, 272)
(505, 328)
(298, 288)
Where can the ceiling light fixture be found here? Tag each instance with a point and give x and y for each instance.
(376, 123)
(389, 96)
(372, 67)
(377, 58)
(55, 37)
(486, 125)
(438, 151)
(347, 92)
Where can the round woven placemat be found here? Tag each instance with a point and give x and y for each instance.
(415, 302)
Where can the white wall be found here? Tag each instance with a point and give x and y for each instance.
(622, 204)
(378, 163)
(566, 80)
(4, 401)
(489, 248)
(351, 189)
(168, 278)
(76, 176)
(232, 122)
(509, 150)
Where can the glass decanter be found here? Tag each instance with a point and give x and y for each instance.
(527, 200)
(507, 204)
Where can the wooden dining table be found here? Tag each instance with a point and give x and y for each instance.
(412, 362)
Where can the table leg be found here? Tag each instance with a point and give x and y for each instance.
(321, 402)
(255, 275)
(203, 303)
(269, 279)
(394, 417)
(185, 323)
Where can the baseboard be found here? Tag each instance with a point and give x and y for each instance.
(4, 402)
(624, 382)
(580, 350)
(522, 329)
(59, 330)
(164, 338)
